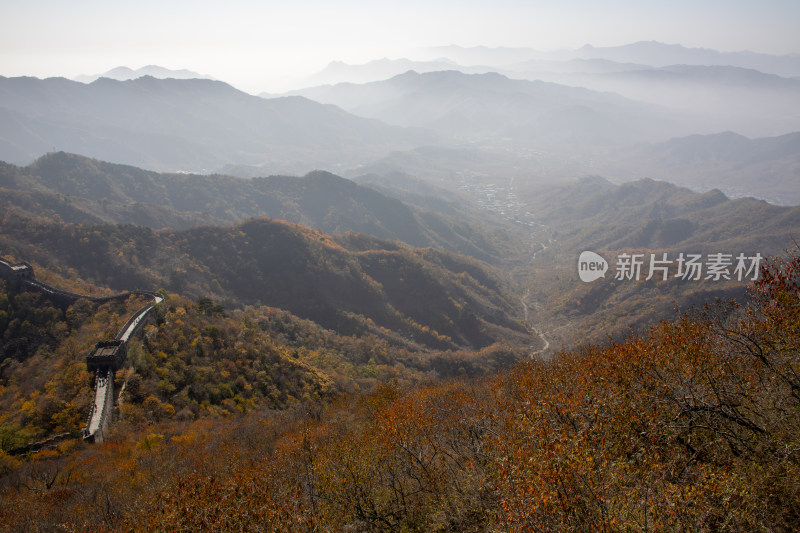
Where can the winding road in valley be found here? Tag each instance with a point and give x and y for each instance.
(535, 329)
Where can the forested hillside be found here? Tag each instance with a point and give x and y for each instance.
(79, 189)
(197, 360)
(421, 296)
(595, 214)
(646, 218)
(690, 427)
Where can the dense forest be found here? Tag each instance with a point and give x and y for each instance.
(692, 426)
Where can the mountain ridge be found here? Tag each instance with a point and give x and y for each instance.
(653, 53)
(354, 284)
(125, 73)
(474, 106)
(119, 193)
(187, 125)
(727, 160)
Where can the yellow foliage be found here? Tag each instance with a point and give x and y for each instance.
(150, 442)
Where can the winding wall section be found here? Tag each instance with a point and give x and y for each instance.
(106, 357)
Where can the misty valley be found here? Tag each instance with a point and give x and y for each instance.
(502, 290)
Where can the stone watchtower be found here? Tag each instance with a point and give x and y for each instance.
(15, 273)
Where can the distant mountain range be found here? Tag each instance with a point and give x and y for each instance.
(720, 97)
(125, 73)
(662, 55)
(493, 111)
(753, 94)
(470, 107)
(379, 69)
(517, 62)
(185, 125)
(651, 53)
(765, 167)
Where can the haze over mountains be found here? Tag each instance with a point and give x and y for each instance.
(652, 53)
(545, 116)
(645, 55)
(491, 107)
(664, 95)
(753, 94)
(727, 161)
(184, 125)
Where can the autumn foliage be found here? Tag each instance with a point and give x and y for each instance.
(694, 426)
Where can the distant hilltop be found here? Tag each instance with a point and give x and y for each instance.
(125, 73)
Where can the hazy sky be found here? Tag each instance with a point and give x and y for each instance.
(256, 45)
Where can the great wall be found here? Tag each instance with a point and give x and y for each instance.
(106, 358)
